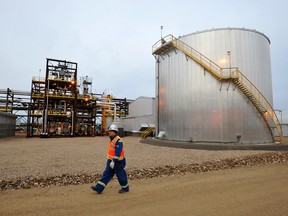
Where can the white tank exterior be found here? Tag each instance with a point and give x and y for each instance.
(194, 106)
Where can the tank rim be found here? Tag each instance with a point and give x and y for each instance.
(227, 28)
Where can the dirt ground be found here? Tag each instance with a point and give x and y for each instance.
(260, 190)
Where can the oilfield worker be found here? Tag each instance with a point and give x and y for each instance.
(115, 164)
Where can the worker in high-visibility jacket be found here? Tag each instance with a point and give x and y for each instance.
(115, 164)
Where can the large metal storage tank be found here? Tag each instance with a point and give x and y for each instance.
(194, 106)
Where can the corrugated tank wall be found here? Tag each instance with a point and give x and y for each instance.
(193, 105)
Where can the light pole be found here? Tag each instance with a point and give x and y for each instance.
(228, 53)
(161, 31)
(280, 111)
(46, 111)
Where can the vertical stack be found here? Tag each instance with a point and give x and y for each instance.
(86, 109)
(60, 98)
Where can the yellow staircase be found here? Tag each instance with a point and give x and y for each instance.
(147, 132)
(247, 87)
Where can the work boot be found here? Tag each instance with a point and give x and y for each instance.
(123, 191)
(94, 189)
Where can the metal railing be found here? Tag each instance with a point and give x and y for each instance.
(230, 73)
(191, 52)
(39, 79)
(269, 112)
(147, 132)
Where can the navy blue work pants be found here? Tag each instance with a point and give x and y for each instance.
(109, 173)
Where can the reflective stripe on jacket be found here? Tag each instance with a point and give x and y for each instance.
(111, 149)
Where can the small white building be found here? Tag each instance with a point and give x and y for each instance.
(141, 114)
(7, 124)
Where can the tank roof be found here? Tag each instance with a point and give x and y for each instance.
(229, 28)
(8, 114)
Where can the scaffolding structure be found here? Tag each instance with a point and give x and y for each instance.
(16, 102)
(59, 105)
(86, 109)
(62, 106)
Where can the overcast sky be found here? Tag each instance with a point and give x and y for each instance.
(111, 40)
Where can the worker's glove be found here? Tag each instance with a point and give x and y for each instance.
(112, 164)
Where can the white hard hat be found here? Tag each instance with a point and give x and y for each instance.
(113, 128)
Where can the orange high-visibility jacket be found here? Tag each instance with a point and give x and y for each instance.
(111, 149)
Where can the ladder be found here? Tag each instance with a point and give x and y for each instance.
(147, 132)
(265, 109)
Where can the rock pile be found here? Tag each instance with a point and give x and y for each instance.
(162, 171)
(268, 158)
(62, 180)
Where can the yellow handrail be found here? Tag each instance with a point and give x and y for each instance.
(146, 133)
(191, 52)
(262, 100)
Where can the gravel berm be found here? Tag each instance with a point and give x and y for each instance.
(35, 162)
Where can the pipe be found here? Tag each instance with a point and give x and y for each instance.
(45, 132)
(72, 128)
(111, 104)
(158, 95)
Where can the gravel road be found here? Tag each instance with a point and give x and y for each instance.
(22, 157)
(258, 190)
